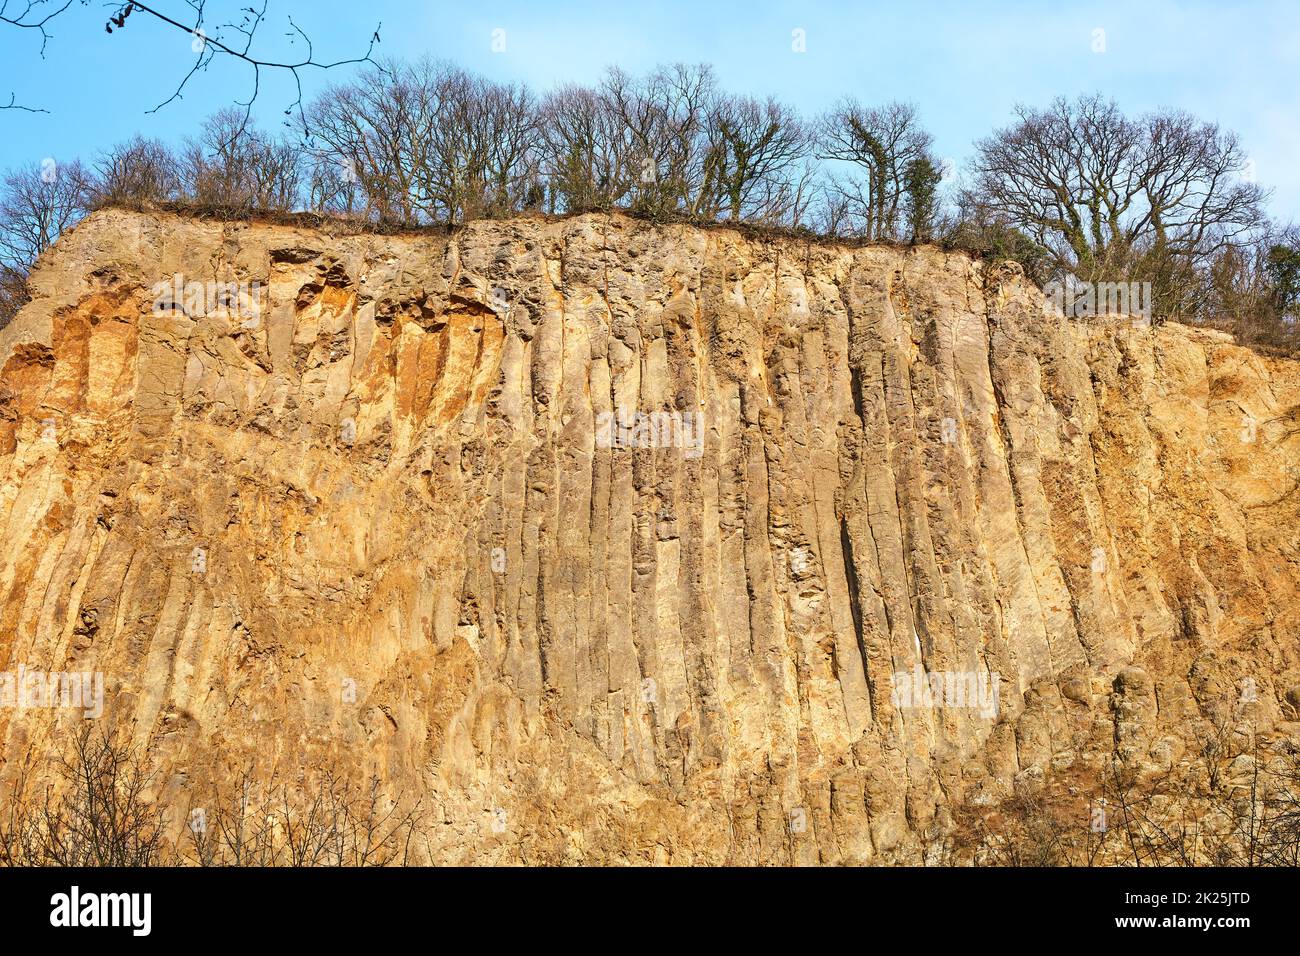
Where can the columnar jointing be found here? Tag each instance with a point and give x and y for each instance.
(630, 543)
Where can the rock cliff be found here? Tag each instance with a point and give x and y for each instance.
(630, 543)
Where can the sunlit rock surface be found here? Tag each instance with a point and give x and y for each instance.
(378, 523)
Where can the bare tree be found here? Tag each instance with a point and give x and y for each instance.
(580, 149)
(687, 96)
(101, 806)
(481, 147)
(834, 216)
(754, 154)
(660, 121)
(1100, 189)
(322, 819)
(37, 202)
(373, 134)
(333, 185)
(233, 166)
(97, 810)
(670, 143)
(138, 172)
(878, 144)
(233, 826)
(427, 142)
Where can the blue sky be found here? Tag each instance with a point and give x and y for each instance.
(965, 64)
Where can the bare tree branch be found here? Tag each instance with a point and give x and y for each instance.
(234, 39)
(36, 15)
(209, 46)
(13, 104)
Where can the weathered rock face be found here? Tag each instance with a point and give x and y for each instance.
(382, 523)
